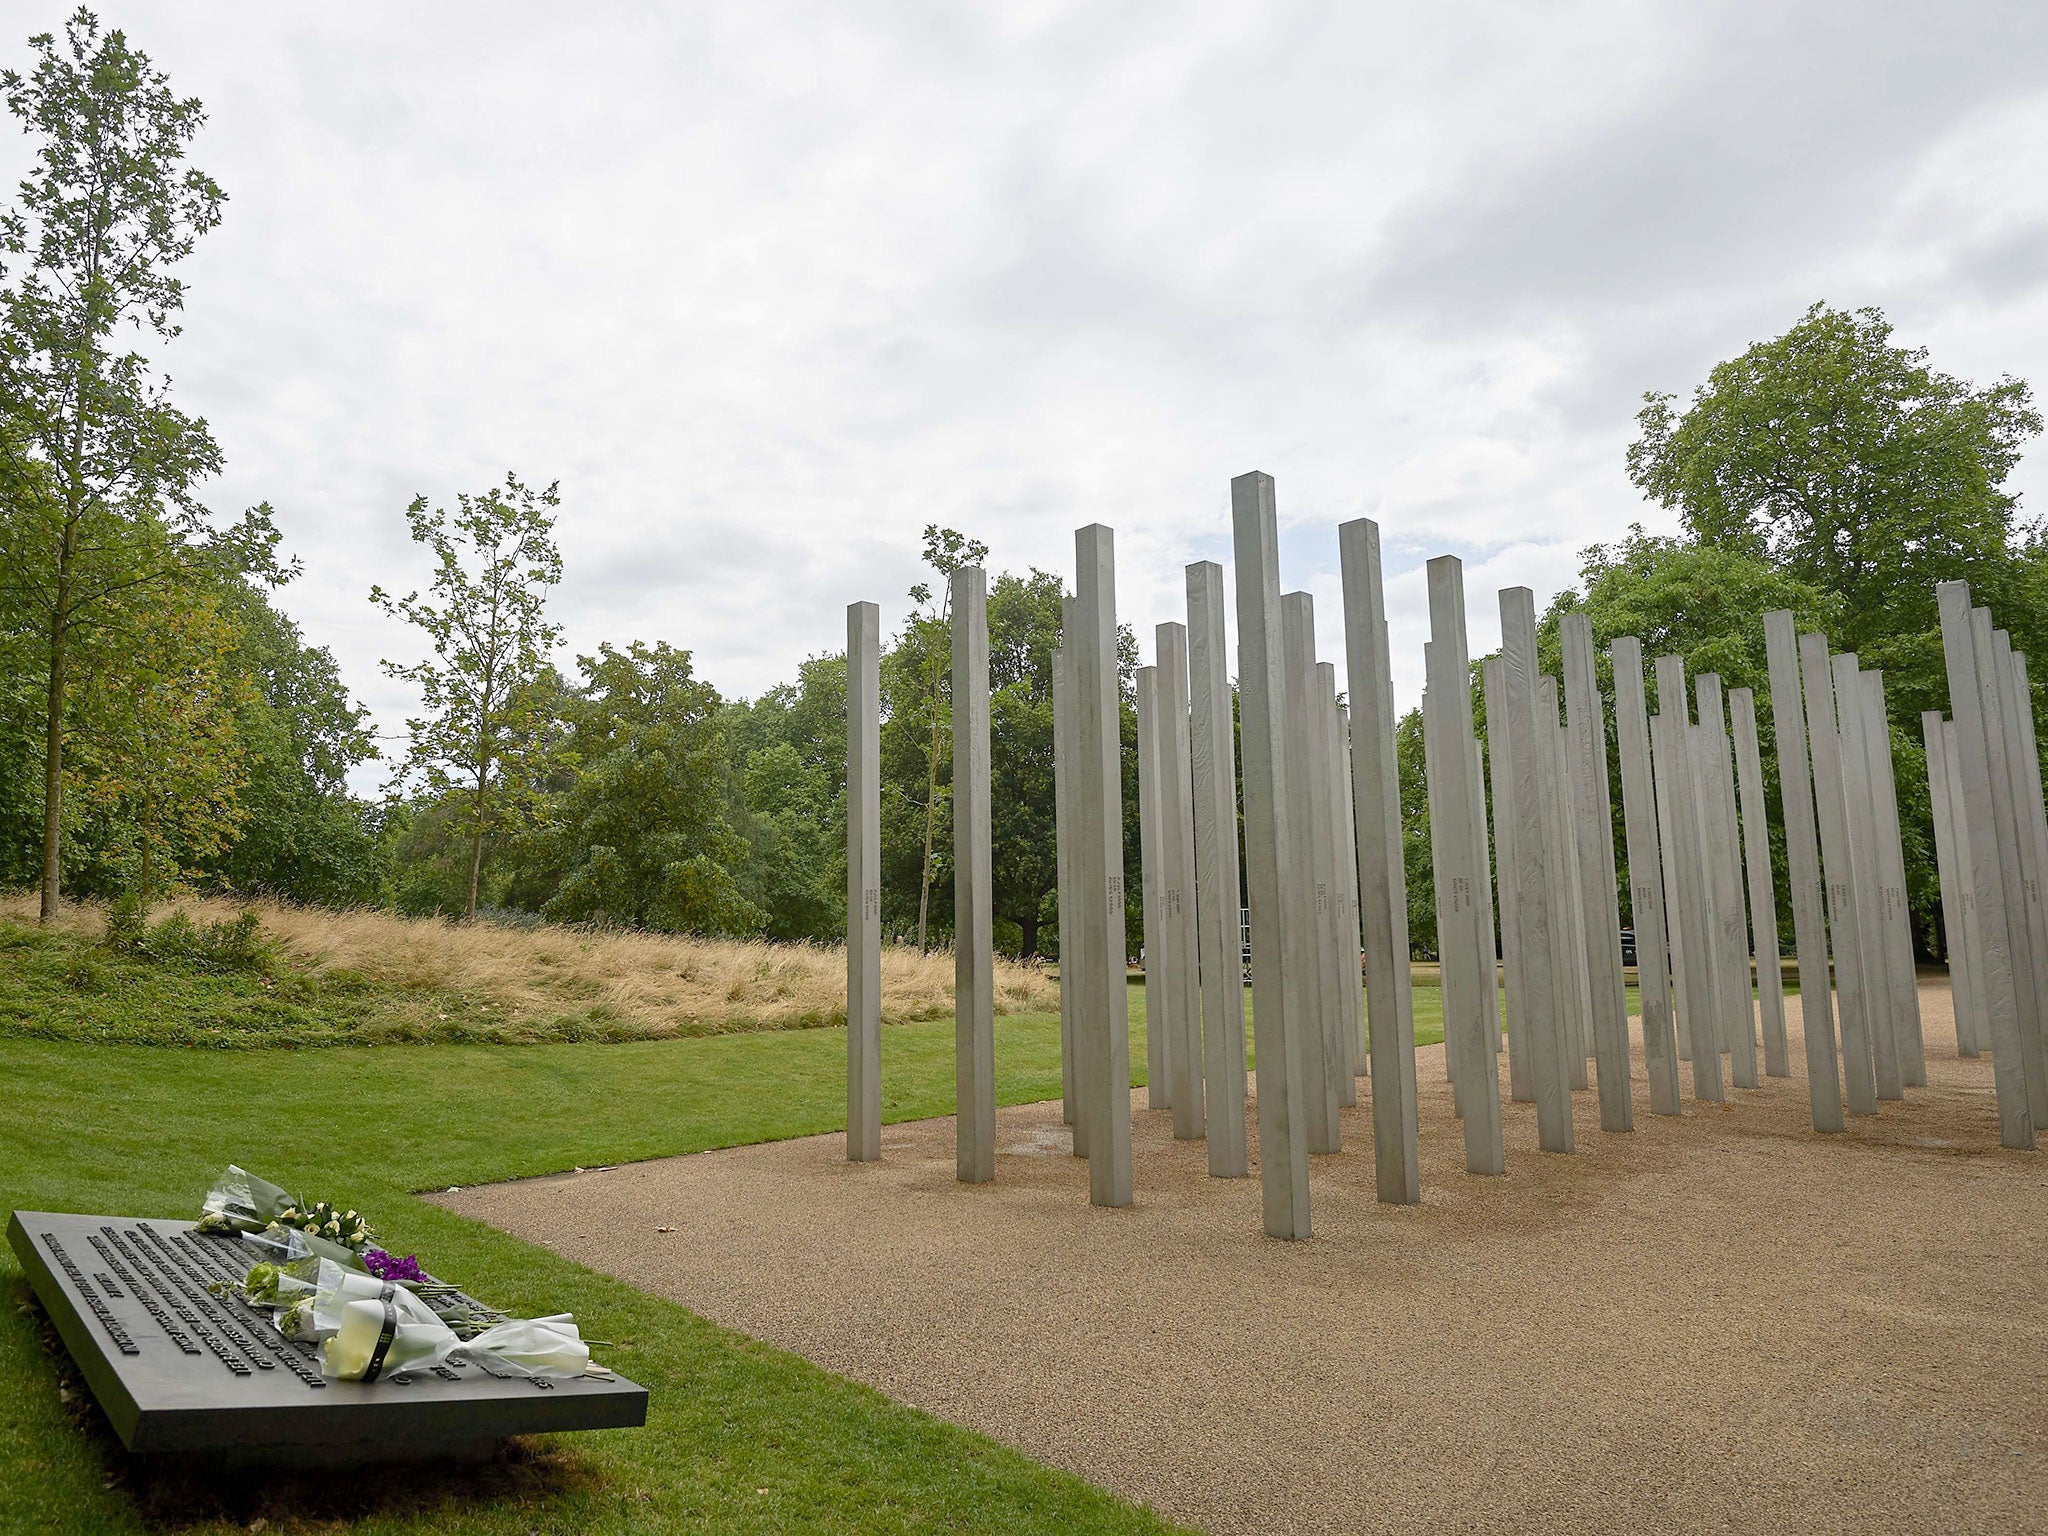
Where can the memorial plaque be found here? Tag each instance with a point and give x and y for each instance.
(176, 1368)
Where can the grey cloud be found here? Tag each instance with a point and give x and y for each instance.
(1758, 143)
(769, 287)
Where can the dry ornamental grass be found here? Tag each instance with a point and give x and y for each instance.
(642, 985)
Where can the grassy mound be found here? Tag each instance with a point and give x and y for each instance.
(203, 975)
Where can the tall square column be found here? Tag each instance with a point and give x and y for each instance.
(1802, 864)
(1645, 873)
(1535, 910)
(1891, 860)
(1272, 829)
(1158, 1036)
(1951, 872)
(1462, 878)
(1671, 740)
(974, 993)
(1383, 885)
(1881, 1011)
(1176, 834)
(1763, 892)
(863, 882)
(1970, 706)
(1593, 825)
(1308, 785)
(1735, 1007)
(1825, 741)
(1212, 733)
(1345, 995)
(1099, 866)
(1569, 900)
(1501, 781)
(2028, 894)
(1063, 842)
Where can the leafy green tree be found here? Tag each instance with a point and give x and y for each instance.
(424, 862)
(484, 742)
(1851, 468)
(1857, 469)
(1024, 629)
(796, 827)
(159, 764)
(1416, 859)
(791, 745)
(98, 468)
(643, 835)
(306, 837)
(1705, 603)
(1680, 597)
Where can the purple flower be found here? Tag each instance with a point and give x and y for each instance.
(385, 1267)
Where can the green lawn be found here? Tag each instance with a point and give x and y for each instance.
(740, 1437)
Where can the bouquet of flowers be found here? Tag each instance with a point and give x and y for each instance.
(273, 1217)
(323, 1221)
(373, 1314)
(370, 1327)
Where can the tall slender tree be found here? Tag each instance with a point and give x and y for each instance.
(484, 739)
(97, 467)
(945, 551)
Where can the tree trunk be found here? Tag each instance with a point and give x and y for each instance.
(1030, 926)
(53, 735)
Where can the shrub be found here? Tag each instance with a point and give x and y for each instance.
(231, 944)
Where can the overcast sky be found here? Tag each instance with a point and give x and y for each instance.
(769, 287)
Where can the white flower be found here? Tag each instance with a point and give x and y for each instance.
(312, 1226)
(350, 1216)
(333, 1227)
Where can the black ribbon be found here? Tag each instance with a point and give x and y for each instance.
(386, 1334)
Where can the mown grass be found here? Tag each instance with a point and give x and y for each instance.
(740, 1437)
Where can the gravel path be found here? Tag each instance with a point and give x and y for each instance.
(1719, 1323)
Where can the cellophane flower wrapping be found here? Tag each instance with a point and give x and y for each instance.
(337, 1287)
(351, 1350)
(241, 1202)
(539, 1346)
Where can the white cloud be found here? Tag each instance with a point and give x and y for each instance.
(770, 286)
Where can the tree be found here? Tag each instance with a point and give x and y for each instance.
(159, 763)
(1844, 464)
(946, 552)
(643, 834)
(306, 837)
(1848, 462)
(1705, 603)
(1416, 855)
(791, 747)
(483, 741)
(1024, 628)
(99, 466)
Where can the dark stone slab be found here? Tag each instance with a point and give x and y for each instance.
(178, 1369)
